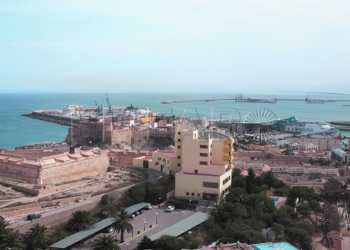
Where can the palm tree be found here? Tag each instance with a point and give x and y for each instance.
(57, 235)
(3, 225)
(12, 240)
(105, 242)
(80, 219)
(269, 179)
(121, 223)
(37, 237)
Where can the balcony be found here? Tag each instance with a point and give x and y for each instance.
(228, 157)
(228, 150)
(228, 142)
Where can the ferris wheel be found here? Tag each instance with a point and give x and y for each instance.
(258, 125)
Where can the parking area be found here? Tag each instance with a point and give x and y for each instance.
(149, 223)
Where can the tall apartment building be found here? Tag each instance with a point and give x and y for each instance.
(206, 164)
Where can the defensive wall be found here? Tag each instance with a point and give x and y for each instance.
(44, 167)
(269, 157)
(125, 157)
(97, 132)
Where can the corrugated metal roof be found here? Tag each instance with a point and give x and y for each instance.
(182, 226)
(62, 244)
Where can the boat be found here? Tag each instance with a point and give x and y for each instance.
(211, 100)
(311, 128)
(314, 101)
(239, 98)
(166, 102)
(292, 125)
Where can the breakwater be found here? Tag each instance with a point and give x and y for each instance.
(247, 100)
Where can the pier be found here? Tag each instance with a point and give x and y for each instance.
(246, 100)
(341, 125)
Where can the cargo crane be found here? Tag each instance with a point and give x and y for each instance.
(99, 110)
(110, 111)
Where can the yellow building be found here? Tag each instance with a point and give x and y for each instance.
(206, 164)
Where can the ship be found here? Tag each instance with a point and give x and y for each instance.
(239, 98)
(213, 99)
(314, 101)
(292, 125)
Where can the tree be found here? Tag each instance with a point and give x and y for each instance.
(299, 237)
(3, 225)
(250, 181)
(169, 242)
(269, 179)
(316, 208)
(237, 179)
(304, 210)
(12, 240)
(145, 243)
(121, 223)
(57, 235)
(227, 211)
(330, 220)
(37, 237)
(80, 219)
(332, 185)
(236, 194)
(105, 242)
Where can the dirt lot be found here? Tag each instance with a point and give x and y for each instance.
(116, 179)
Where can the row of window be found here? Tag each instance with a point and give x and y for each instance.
(226, 180)
(211, 184)
(192, 194)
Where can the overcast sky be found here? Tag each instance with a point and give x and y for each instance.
(260, 46)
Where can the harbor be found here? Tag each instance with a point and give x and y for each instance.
(249, 100)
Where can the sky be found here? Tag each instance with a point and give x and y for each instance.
(112, 46)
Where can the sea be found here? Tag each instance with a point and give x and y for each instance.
(17, 130)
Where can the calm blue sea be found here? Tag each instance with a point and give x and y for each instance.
(16, 130)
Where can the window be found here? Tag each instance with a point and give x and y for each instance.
(196, 171)
(203, 146)
(203, 163)
(178, 146)
(210, 184)
(178, 157)
(178, 140)
(198, 194)
(179, 133)
(178, 164)
(192, 194)
(203, 154)
(187, 193)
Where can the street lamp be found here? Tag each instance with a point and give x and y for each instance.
(132, 231)
(156, 219)
(127, 246)
(144, 225)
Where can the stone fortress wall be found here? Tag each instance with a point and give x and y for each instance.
(44, 167)
(82, 132)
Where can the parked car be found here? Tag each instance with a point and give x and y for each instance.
(131, 215)
(33, 216)
(170, 208)
(149, 206)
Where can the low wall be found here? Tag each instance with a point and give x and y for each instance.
(37, 207)
(55, 218)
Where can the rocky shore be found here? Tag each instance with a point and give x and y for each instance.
(44, 145)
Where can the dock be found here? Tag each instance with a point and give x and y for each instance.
(246, 100)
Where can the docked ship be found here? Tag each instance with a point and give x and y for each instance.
(211, 100)
(314, 101)
(292, 125)
(239, 98)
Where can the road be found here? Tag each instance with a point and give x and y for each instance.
(153, 175)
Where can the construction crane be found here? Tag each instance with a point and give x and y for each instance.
(110, 109)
